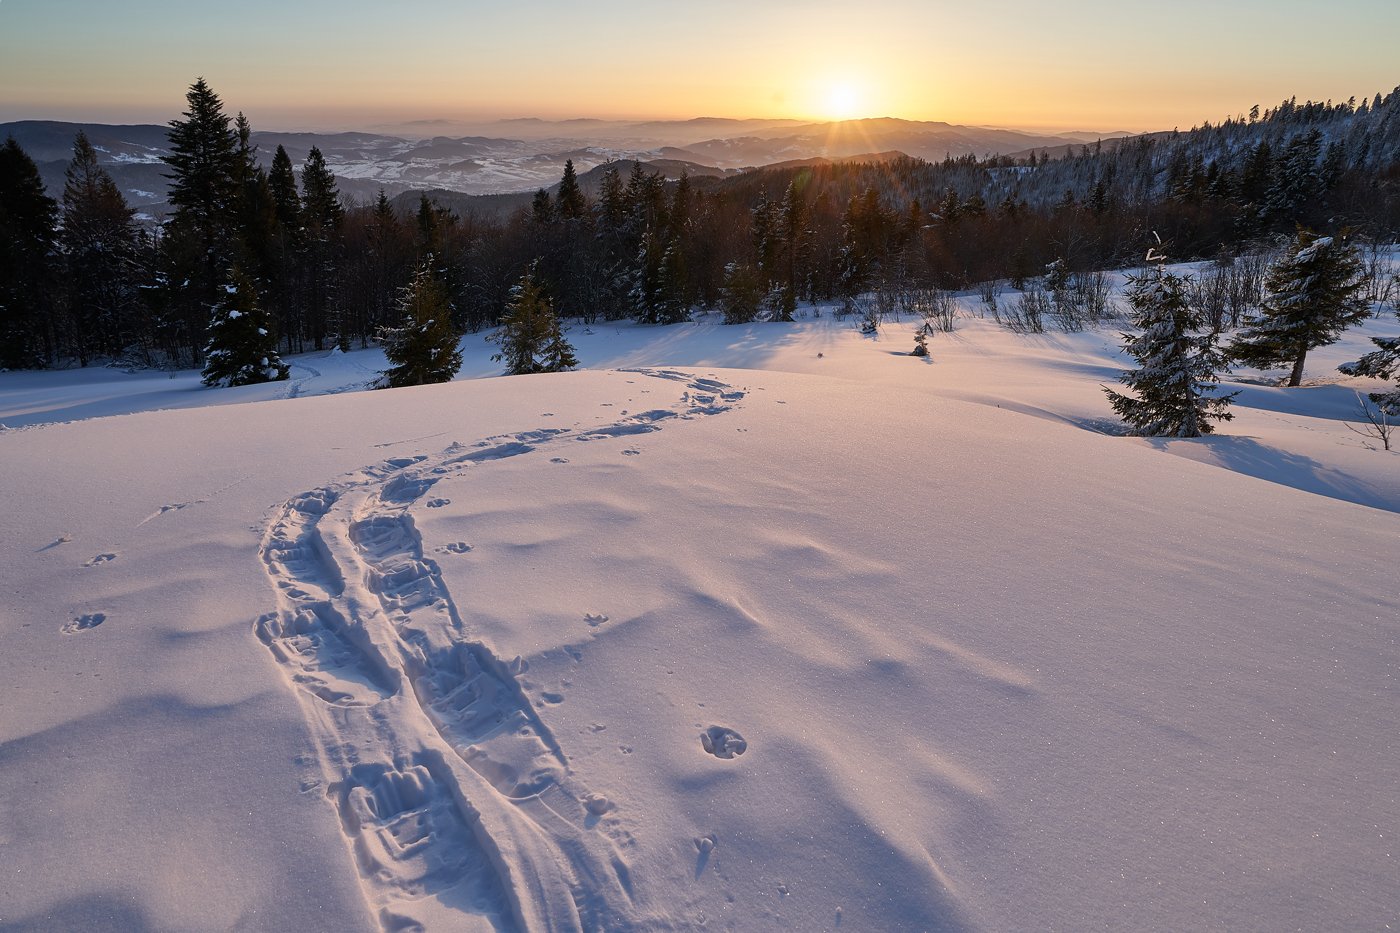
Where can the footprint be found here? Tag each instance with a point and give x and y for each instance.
(456, 547)
(723, 742)
(100, 559)
(84, 622)
(594, 620)
(552, 698)
(438, 503)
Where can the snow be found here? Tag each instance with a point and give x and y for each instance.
(794, 631)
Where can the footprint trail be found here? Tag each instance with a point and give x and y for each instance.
(459, 807)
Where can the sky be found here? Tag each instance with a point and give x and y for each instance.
(1095, 65)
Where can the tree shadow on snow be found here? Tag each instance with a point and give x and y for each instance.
(1248, 456)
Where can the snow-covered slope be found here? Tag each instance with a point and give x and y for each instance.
(721, 633)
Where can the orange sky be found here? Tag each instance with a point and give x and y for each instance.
(1091, 65)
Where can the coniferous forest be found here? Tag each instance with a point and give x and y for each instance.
(81, 280)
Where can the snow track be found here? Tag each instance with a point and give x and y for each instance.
(457, 801)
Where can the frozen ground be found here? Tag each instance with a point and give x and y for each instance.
(741, 628)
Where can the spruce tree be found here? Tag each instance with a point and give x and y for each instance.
(282, 285)
(99, 243)
(27, 214)
(531, 338)
(1177, 366)
(570, 203)
(322, 217)
(204, 192)
(1381, 363)
(1312, 296)
(242, 349)
(423, 348)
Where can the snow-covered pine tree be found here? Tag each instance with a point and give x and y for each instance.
(531, 338)
(1177, 366)
(1312, 296)
(423, 348)
(558, 354)
(1382, 363)
(242, 349)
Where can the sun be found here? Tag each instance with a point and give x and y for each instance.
(843, 101)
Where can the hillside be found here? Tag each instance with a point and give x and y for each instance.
(764, 627)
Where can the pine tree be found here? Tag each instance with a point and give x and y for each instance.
(1312, 296)
(1177, 366)
(99, 243)
(242, 349)
(570, 203)
(204, 193)
(322, 217)
(741, 294)
(531, 338)
(423, 348)
(1381, 363)
(27, 332)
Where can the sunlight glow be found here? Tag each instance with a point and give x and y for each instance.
(843, 101)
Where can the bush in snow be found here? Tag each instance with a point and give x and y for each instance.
(531, 338)
(1177, 369)
(1313, 296)
(241, 349)
(423, 348)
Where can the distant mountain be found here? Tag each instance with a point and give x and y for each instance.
(925, 140)
(513, 156)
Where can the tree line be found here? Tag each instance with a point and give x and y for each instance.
(255, 262)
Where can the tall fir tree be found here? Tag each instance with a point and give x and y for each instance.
(424, 346)
(531, 337)
(569, 203)
(242, 349)
(99, 242)
(1178, 365)
(322, 217)
(1311, 297)
(200, 237)
(28, 337)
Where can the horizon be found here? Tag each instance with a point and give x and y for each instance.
(80, 61)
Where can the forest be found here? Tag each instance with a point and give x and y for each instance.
(278, 248)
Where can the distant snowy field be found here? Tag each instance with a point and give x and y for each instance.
(767, 627)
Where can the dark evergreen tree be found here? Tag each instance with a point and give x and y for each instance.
(424, 347)
(530, 336)
(281, 286)
(742, 293)
(204, 192)
(1312, 297)
(1178, 366)
(242, 349)
(100, 244)
(322, 217)
(28, 336)
(570, 203)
